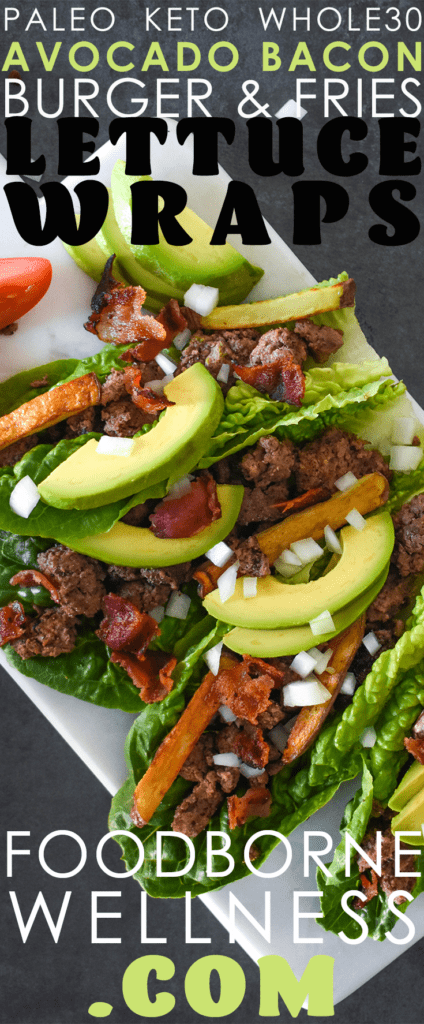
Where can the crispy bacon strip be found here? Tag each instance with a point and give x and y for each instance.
(151, 673)
(416, 748)
(122, 320)
(32, 578)
(143, 397)
(306, 500)
(189, 514)
(311, 719)
(282, 379)
(13, 622)
(245, 686)
(124, 627)
(255, 803)
(53, 406)
(173, 320)
(253, 750)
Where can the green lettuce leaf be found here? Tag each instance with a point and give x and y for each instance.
(16, 390)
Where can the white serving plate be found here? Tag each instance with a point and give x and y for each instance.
(54, 330)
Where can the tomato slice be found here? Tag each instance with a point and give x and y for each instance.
(23, 282)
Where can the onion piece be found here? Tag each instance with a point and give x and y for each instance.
(182, 339)
(307, 550)
(405, 458)
(166, 364)
(158, 613)
(157, 386)
(24, 497)
(368, 737)
(250, 586)
(355, 519)
(115, 445)
(290, 557)
(201, 298)
(219, 554)
(227, 760)
(332, 540)
(178, 489)
(249, 772)
(224, 373)
(227, 582)
(371, 643)
(227, 714)
(403, 430)
(279, 736)
(303, 664)
(321, 659)
(349, 684)
(322, 624)
(345, 481)
(305, 693)
(213, 658)
(286, 570)
(178, 605)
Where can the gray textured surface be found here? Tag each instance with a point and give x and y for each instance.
(44, 785)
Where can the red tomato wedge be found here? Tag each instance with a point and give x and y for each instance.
(23, 282)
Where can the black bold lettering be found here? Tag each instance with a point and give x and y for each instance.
(19, 148)
(329, 146)
(307, 209)
(72, 145)
(290, 146)
(205, 132)
(146, 216)
(60, 218)
(139, 133)
(393, 145)
(241, 201)
(406, 225)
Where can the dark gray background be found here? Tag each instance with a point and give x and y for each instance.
(44, 785)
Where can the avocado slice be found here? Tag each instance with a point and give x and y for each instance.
(134, 545)
(411, 784)
(219, 266)
(411, 819)
(365, 554)
(166, 452)
(275, 643)
(91, 258)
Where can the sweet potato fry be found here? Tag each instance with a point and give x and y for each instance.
(52, 407)
(279, 311)
(207, 576)
(367, 494)
(310, 720)
(177, 746)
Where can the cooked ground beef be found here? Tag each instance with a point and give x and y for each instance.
(82, 423)
(269, 347)
(144, 595)
(14, 453)
(200, 760)
(252, 560)
(272, 716)
(228, 346)
(363, 660)
(391, 598)
(228, 778)
(136, 515)
(53, 633)
(173, 575)
(322, 341)
(388, 881)
(270, 461)
(257, 505)
(114, 387)
(408, 554)
(322, 462)
(194, 813)
(124, 419)
(78, 579)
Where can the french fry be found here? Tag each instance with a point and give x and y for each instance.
(311, 719)
(283, 309)
(53, 406)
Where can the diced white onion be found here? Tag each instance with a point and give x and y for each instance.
(224, 373)
(158, 613)
(178, 489)
(279, 736)
(332, 540)
(346, 481)
(24, 497)
(213, 658)
(250, 586)
(303, 664)
(355, 519)
(305, 694)
(227, 582)
(321, 659)
(405, 458)
(178, 605)
(248, 772)
(227, 714)
(182, 339)
(403, 430)
(349, 684)
(371, 643)
(307, 550)
(286, 570)
(157, 386)
(322, 624)
(115, 445)
(227, 760)
(166, 364)
(368, 737)
(202, 298)
(219, 554)
(290, 558)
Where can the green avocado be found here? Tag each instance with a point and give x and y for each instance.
(275, 643)
(364, 556)
(166, 452)
(411, 819)
(91, 258)
(219, 266)
(411, 784)
(134, 545)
